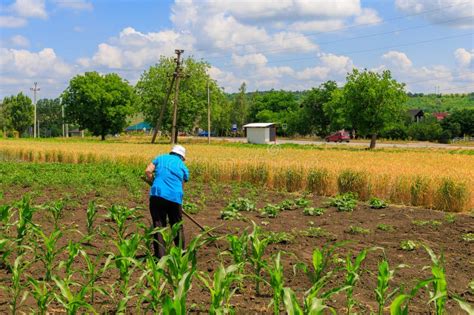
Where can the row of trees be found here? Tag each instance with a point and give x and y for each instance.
(371, 104)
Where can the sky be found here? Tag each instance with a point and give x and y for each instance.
(284, 44)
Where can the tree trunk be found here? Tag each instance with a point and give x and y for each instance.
(372, 141)
(102, 137)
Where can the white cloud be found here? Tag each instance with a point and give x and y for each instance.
(317, 25)
(250, 59)
(337, 64)
(78, 29)
(12, 21)
(31, 64)
(368, 17)
(19, 41)
(397, 59)
(109, 56)
(317, 72)
(78, 5)
(464, 57)
(441, 10)
(30, 8)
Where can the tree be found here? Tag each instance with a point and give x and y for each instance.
(429, 129)
(313, 107)
(99, 103)
(460, 122)
(18, 112)
(372, 102)
(240, 107)
(192, 111)
(49, 113)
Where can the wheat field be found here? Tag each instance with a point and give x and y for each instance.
(433, 178)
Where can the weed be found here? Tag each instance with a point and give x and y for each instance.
(315, 232)
(408, 245)
(468, 237)
(190, 208)
(385, 227)
(311, 211)
(450, 218)
(345, 202)
(358, 230)
(279, 237)
(376, 203)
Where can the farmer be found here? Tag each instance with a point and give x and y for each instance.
(168, 173)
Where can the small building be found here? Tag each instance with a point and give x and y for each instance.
(416, 115)
(260, 133)
(140, 127)
(440, 116)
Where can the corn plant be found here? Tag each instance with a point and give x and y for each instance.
(258, 246)
(238, 247)
(92, 272)
(276, 282)
(72, 300)
(384, 276)
(73, 250)
(176, 304)
(120, 215)
(125, 260)
(6, 214)
(312, 305)
(47, 250)
(15, 287)
(400, 303)
(352, 276)
(5, 251)
(56, 210)
(221, 287)
(42, 294)
(25, 216)
(91, 214)
(148, 233)
(154, 287)
(439, 295)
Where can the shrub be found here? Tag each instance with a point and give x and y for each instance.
(353, 181)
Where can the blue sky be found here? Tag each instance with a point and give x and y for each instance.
(285, 44)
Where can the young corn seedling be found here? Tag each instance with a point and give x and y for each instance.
(439, 295)
(56, 210)
(24, 222)
(258, 246)
(42, 294)
(222, 287)
(125, 260)
(72, 300)
(384, 276)
(352, 276)
(312, 304)
(155, 285)
(91, 214)
(15, 288)
(276, 282)
(73, 250)
(400, 303)
(176, 304)
(47, 250)
(93, 272)
(238, 247)
(5, 251)
(120, 215)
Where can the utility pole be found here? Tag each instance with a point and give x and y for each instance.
(208, 114)
(174, 132)
(178, 52)
(62, 113)
(34, 89)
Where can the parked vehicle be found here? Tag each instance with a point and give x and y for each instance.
(204, 134)
(339, 136)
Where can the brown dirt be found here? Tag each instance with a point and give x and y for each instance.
(446, 238)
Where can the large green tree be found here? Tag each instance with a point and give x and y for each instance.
(18, 112)
(313, 108)
(49, 113)
(99, 103)
(192, 110)
(240, 106)
(372, 102)
(460, 122)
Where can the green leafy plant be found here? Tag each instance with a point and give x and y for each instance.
(47, 249)
(276, 282)
(278, 237)
(408, 245)
(16, 287)
(384, 276)
(344, 202)
(153, 292)
(288, 205)
(315, 232)
(439, 293)
(450, 218)
(56, 209)
(71, 299)
(358, 230)
(433, 223)
(353, 269)
(376, 203)
(468, 237)
(91, 214)
(242, 204)
(302, 202)
(238, 247)
(94, 270)
(311, 211)
(25, 216)
(190, 208)
(269, 211)
(231, 214)
(42, 293)
(120, 215)
(385, 227)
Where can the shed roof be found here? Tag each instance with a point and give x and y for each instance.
(259, 125)
(415, 112)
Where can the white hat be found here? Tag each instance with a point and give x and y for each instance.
(179, 149)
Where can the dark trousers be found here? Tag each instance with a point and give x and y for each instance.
(162, 212)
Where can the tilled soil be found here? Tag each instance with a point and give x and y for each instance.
(445, 238)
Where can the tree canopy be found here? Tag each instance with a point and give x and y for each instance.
(99, 103)
(49, 113)
(18, 113)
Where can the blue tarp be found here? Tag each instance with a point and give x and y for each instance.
(139, 127)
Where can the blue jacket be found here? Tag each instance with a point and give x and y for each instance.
(170, 173)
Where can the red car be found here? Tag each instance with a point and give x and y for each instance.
(339, 136)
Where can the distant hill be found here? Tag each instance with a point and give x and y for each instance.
(440, 103)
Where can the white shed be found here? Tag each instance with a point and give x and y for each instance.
(260, 133)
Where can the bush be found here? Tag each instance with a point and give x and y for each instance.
(429, 129)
